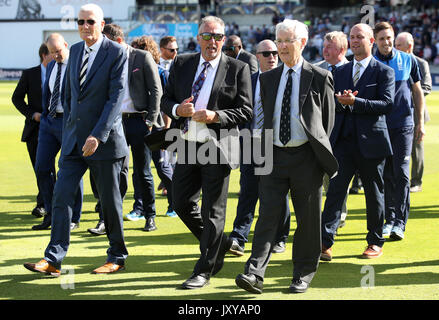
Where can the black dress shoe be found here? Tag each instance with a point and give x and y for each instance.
(150, 225)
(39, 212)
(47, 221)
(226, 244)
(250, 282)
(298, 286)
(99, 230)
(196, 281)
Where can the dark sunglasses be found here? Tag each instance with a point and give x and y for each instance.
(89, 22)
(266, 54)
(172, 50)
(206, 36)
(231, 48)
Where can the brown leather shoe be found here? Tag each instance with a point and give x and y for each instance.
(108, 267)
(372, 251)
(326, 254)
(44, 267)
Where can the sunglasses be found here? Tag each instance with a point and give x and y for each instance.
(89, 22)
(172, 50)
(266, 54)
(206, 36)
(232, 48)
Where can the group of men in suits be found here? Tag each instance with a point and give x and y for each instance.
(321, 122)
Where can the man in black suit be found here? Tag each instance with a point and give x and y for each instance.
(299, 109)
(205, 93)
(267, 55)
(140, 111)
(30, 85)
(233, 48)
(365, 91)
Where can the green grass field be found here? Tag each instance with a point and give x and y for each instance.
(160, 261)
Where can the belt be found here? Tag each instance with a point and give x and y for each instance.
(58, 115)
(128, 115)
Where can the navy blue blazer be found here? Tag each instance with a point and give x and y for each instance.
(376, 91)
(46, 91)
(96, 110)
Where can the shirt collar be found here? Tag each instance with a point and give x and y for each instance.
(296, 68)
(213, 63)
(96, 46)
(364, 62)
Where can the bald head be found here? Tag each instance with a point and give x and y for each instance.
(404, 42)
(58, 47)
(361, 41)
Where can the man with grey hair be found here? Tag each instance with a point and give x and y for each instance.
(299, 108)
(404, 42)
(93, 139)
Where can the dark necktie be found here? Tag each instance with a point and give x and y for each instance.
(196, 88)
(285, 120)
(332, 68)
(56, 92)
(83, 70)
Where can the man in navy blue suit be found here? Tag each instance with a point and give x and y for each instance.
(93, 138)
(50, 134)
(364, 90)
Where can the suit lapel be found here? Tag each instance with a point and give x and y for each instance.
(270, 99)
(306, 77)
(190, 70)
(99, 59)
(221, 72)
(365, 76)
(131, 60)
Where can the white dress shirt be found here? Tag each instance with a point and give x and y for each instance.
(298, 135)
(364, 64)
(52, 80)
(166, 64)
(95, 48)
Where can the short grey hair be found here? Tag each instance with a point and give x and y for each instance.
(95, 9)
(211, 19)
(407, 36)
(299, 29)
(339, 38)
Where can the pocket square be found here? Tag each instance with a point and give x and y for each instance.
(371, 85)
(135, 70)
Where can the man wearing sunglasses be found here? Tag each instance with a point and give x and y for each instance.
(233, 48)
(206, 92)
(266, 53)
(168, 51)
(299, 107)
(93, 139)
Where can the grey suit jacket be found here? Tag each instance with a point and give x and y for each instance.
(316, 109)
(426, 83)
(144, 84)
(325, 65)
(250, 59)
(96, 110)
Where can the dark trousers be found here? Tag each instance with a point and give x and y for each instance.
(397, 177)
(49, 144)
(417, 163)
(371, 171)
(245, 211)
(296, 171)
(135, 130)
(207, 223)
(106, 174)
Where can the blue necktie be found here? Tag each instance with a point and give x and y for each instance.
(285, 120)
(196, 88)
(56, 92)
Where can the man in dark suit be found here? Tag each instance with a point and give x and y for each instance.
(267, 55)
(205, 93)
(364, 95)
(404, 42)
(298, 104)
(140, 111)
(30, 85)
(233, 48)
(93, 138)
(50, 135)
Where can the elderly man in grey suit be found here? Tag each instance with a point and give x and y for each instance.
(233, 48)
(404, 42)
(93, 138)
(299, 108)
(335, 47)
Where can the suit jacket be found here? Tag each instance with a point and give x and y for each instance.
(96, 110)
(144, 84)
(376, 91)
(230, 96)
(46, 90)
(30, 85)
(316, 109)
(250, 59)
(426, 83)
(325, 65)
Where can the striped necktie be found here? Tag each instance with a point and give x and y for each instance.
(83, 70)
(56, 92)
(285, 116)
(259, 114)
(357, 73)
